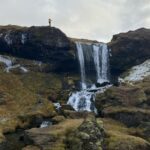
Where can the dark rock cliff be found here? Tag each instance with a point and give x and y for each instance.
(47, 44)
(51, 45)
(129, 49)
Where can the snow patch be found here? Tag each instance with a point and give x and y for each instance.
(39, 63)
(57, 105)
(6, 61)
(138, 72)
(23, 38)
(45, 124)
(7, 69)
(24, 69)
(8, 39)
(9, 64)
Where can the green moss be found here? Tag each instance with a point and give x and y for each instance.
(120, 137)
(30, 147)
(42, 83)
(121, 96)
(119, 141)
(23, 96)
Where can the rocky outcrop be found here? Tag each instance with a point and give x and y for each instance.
(129, 49)
(131, 116)
(89, 136)
(70, 134)
(119, 137)
(47, 44)
(53, 137)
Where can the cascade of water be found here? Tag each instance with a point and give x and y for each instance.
(82, 64)
(90, 56)
(105, 61)
(96, 55)
(82, 101)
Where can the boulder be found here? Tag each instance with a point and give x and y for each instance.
(53, 137)
(121, 96)
(89, 136)
(130, 116)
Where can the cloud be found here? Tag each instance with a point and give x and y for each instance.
(136, 15)
(92, 19)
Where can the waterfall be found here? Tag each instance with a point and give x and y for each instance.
(105, 62)
(94, 68)
(82, 64)
(97, 54)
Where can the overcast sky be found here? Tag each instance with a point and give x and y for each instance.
(91, 19)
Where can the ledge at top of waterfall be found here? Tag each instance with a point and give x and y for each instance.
(94, 68)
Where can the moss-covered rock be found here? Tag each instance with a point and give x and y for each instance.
(89, 136)
(53, 137)
(131, 116)
(30, 147)
(120, 137)
(58, 119)
(118, 141)
(122, 96)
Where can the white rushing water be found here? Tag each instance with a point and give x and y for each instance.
(82, 101)
(96, 55)
(105, 62)
(45, 124)
(82, 64)
(94, 68)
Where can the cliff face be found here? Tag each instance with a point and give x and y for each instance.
(129, 49)
(47, 44)
(50, 45)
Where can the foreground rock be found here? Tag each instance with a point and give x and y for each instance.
(52, 138)
(26, 98)
(89, 136)
(126, 115)
(119, 137)
(71, 134)
(126, 103)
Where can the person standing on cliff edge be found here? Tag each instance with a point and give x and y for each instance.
(49, 21)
